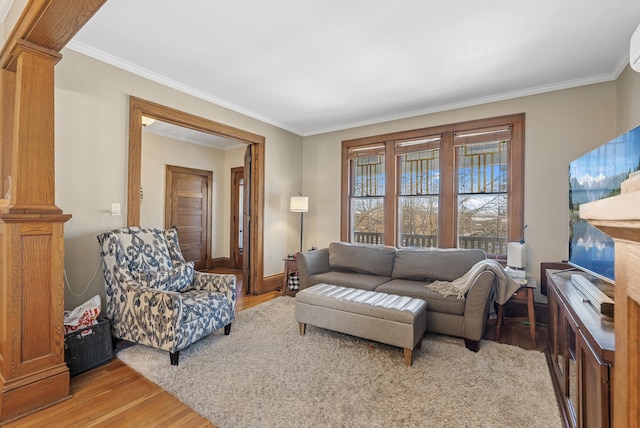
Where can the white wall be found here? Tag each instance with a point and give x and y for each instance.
(628, 98)
(91, 156)
(559, 127)
(92, 110)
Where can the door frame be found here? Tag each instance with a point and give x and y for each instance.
(139, 107)
(234, 242)
(168, 205)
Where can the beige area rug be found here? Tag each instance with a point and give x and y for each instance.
(264, 374)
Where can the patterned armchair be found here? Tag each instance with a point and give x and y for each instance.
(154, 297)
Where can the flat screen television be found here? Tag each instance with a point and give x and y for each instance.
(594, 176)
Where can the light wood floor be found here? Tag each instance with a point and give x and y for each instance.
(115, 395)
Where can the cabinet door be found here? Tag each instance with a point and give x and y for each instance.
(554, 336)
(593, 388)
(570, 341)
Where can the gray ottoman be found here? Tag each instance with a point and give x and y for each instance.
(395, 320)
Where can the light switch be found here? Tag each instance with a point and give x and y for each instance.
(115, 208)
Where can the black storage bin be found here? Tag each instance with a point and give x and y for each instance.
(88, 347)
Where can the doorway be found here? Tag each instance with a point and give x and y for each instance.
(237, 217)
(187, 207)
(253, 232)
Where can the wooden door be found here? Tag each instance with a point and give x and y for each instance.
(188, 208)
(237, 217)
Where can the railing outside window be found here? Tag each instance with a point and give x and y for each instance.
(488, 245)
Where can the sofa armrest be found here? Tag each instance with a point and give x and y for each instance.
(220, 283)
(477, 303)
(311, 263)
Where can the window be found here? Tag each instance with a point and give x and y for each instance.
(458, 185)
(367, 186)
(418, 177)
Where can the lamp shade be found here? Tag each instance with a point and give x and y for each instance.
(516, 255)
(147, 120)
(299, 204)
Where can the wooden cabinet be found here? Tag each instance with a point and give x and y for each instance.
(580, 353)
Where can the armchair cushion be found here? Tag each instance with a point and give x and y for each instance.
(198, 304)
(145, 248)
(179, 278)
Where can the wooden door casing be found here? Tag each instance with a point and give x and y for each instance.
(254, 233)
(253, 283)
(237, 216)
(188, 208)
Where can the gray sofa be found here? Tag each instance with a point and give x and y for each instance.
(405, 272)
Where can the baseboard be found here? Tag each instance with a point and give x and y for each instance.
(272, 283)
(33, 392)
(220, 262)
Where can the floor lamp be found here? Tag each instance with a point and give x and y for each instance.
(299, 204)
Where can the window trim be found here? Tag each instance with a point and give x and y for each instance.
(447, 212)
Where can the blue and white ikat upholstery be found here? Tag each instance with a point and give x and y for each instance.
(154, 297)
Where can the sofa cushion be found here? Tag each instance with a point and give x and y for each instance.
(368, 259)
(348, 279)
(434, 264)
(436, 302)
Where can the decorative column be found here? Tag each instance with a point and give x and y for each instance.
(33, 373)
(619, 217)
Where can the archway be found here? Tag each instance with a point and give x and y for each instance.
(253, 270)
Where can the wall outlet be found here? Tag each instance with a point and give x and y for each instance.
(115, 208)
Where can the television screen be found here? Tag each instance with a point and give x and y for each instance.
(594, 176)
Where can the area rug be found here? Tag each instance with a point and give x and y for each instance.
(264, 374)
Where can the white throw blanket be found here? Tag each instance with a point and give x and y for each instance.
(459, 287)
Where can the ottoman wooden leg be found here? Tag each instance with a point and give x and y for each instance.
(303, 328)
(408, 356)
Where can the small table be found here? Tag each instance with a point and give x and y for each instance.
(524, 294)
(290, 265)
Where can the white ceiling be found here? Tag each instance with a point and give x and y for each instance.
(5, 6)
(311, 66)
(175, 132)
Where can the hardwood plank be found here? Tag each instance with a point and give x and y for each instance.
(160, 407)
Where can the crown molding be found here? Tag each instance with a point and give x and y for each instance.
(127, 66)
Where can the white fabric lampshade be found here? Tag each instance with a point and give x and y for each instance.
(516, 255)
(147, 121)
(299, 204)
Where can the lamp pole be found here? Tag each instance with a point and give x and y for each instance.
(301, 223)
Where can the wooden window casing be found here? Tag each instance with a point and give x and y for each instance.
(446, 138)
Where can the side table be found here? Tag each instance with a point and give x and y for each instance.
(523, 295)
(290, 265)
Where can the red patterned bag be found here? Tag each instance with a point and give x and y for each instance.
(83, 315)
